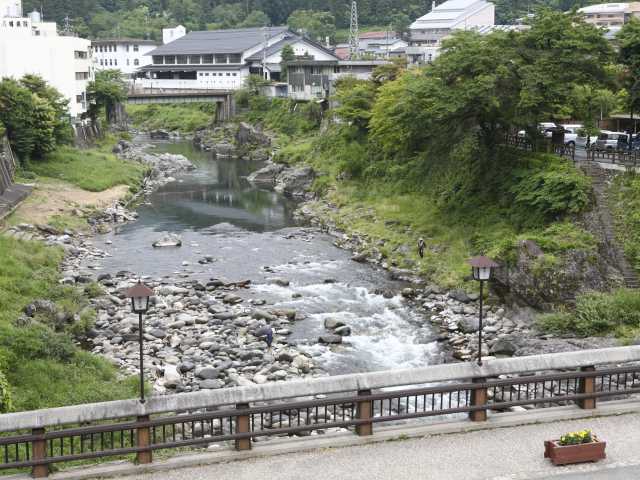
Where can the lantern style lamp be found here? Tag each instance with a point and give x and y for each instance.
(481, 268)
(139, 295)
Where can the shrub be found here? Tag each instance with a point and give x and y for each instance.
(597, 313)
(554, 191)
(576, 438)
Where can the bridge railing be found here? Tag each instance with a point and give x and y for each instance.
(545, 145)
(620, 157)
(38, 439)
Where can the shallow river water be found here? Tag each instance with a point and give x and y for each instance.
(251, 234)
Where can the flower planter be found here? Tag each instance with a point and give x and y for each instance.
(567, 454)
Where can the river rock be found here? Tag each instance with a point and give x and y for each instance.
(207, 373)
(211, 384)
(267, 175)
(330, 339)
(332, 323)
(460, 296)
(468, 324)
(295, 182)
(282, 282)
(344, 331)
(172, 378)
(504, 346)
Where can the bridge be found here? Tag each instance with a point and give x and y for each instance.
(223, 98)
(341, 410)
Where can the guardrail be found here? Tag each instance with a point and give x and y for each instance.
(620, 157)
(38, 439)
(563, 150)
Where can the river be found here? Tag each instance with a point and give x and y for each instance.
(251, 234)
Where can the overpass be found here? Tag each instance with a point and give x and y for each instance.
(223, 98)
(465, 395)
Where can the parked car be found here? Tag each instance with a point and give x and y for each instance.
(612, 141)
(544, 128)
(571, 134)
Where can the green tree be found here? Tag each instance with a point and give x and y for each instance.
(63, 133)
(628, 40)
(400, 23)
(256, 18)
(105, 92)
(315, 25)
(287, 55)
(355, 100)
(28, 120)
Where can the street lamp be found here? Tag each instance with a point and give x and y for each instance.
(139, 295)
(481, 268)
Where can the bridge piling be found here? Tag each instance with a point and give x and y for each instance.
(243, 425)
(364, 411)
(39, 452)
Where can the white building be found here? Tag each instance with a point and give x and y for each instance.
(171, 34)
(30, 46)
(380, 43)
(611, 16)
(428, 31)
(223, 59)
(124, 54)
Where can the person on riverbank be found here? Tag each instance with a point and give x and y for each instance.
(421, 247)
(266, 333)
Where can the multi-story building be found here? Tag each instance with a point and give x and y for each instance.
(223, 59)
(611, 16)
(124, 54)
(428, 31)
(379, 43)
(30, 46)
(315, 79)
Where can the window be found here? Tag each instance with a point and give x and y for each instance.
(206, 74)
(194, 59)
(158, 59)
(102, 62)
(207, 59)
(136, 62)
(80, 54)
(136, 48)
(110, 62)
(235, 74)
(235, 58)
(221, 58)
(228, 74)
(126, 48)
(115, 62)
(82, 75)
(79, 98)
(169, 59)
(200, 74)
(127, 62)
(182, 60)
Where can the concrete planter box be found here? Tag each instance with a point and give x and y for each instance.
(568, 454)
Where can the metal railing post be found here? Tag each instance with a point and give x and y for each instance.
(143, 440)
(587, 385)
(478, 397)
(39, 452)
(364, 411)
(243, 425)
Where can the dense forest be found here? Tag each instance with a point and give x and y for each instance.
(145, 18)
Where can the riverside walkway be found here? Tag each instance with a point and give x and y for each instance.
(511, 453)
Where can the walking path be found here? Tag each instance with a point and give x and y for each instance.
(513, 453)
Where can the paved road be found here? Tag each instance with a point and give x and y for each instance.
(499, 454)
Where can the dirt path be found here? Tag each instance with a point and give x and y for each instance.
(52, 199)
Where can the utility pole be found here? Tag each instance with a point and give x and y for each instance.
(353, 31)
(264, 52)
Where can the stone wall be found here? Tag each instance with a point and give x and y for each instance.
(7, 164)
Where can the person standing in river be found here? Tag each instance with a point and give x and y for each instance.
(421, 246)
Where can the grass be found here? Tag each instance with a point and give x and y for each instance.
(42, 364)
(598, 313)
(625, 205)
(94, 169)
(180, 117)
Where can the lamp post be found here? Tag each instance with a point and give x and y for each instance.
(481, 268)
(139, 295)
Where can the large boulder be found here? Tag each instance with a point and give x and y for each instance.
(267, 175)
(504, 346)
(250, 135)
(295, 182)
